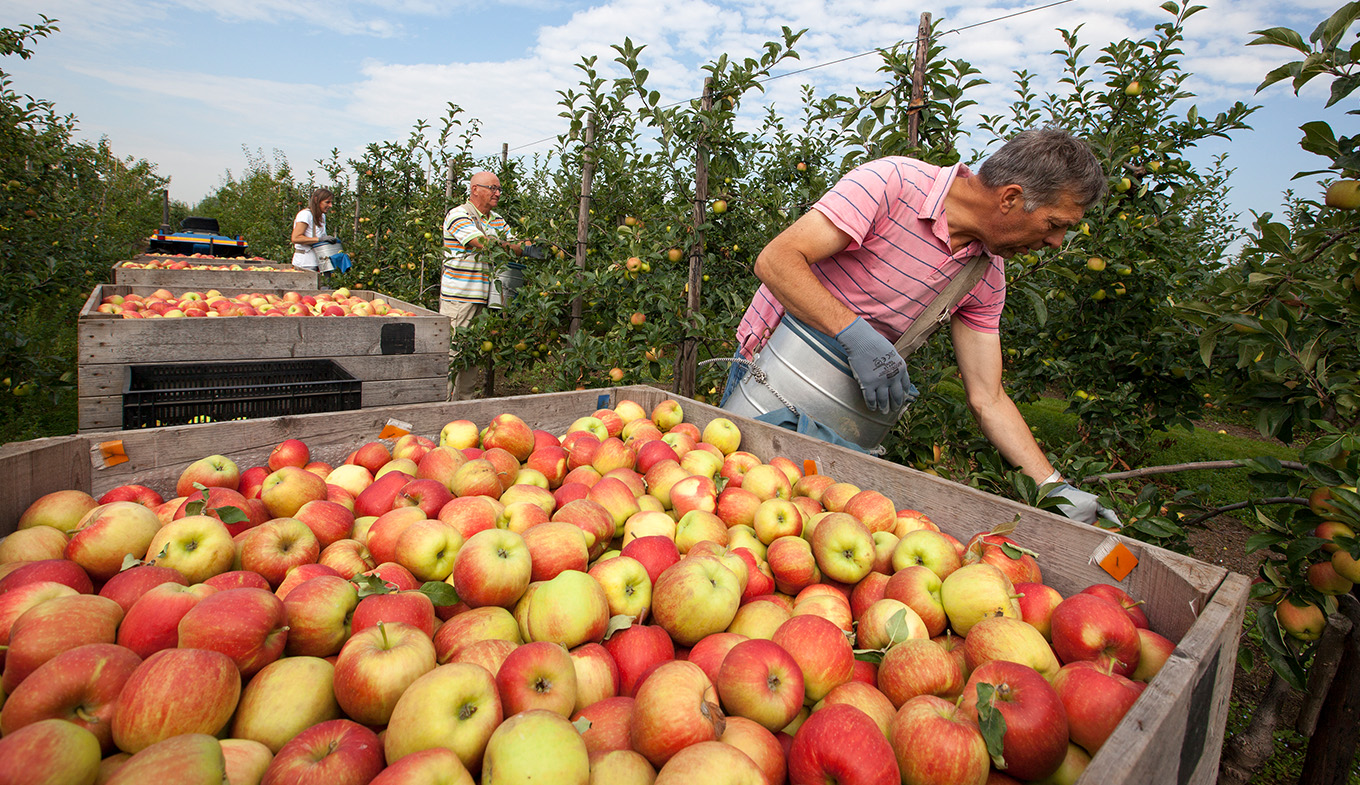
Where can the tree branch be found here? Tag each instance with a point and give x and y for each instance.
(1178, 467)
(1240, 505)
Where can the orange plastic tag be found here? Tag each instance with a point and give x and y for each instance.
(809, 467)
(395, 429)
(1119, 562)
(110, 453)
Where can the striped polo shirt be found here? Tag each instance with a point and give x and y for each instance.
(467, 278)
(898, 258)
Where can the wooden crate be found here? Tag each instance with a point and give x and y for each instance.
(1173, 734)
(399, 359)
(266, 275)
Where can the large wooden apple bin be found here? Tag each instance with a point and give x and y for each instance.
(258, 275)
(399, 359)
(1173, 734)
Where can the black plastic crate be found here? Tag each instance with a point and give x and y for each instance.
(159, 395)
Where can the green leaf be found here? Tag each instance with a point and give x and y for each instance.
(897, 628)
(991, 722)
(440, 593)
(1262, 540)
(230, 514)
(1281, 658)
(581, 725)
(874, 656)
(1208, 339)
(371, 584)
(617, 623)
(1278, 36)
(129, 561)
(1040, 309)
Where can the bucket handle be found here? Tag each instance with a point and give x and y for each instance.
(759, 376)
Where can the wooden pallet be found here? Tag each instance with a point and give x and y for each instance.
(399, 359)
(1173, 734)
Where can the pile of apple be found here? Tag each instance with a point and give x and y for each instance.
(177, 261)
(164, 304)
(633, 601)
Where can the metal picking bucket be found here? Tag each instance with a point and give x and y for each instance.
(503, 290)
(324, 252)
(797, 363)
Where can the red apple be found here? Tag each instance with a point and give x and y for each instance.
(335, 752)
(1035, 740)
(676, 706)
(173, 692)
(840, 743)
(935, 742)
(248, 625)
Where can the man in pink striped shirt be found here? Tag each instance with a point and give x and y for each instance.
(876, 249)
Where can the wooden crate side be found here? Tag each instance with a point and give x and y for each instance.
(405, 392)
(1174, 733)
(276, 276)
(30, 470)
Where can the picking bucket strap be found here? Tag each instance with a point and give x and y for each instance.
(937, 312)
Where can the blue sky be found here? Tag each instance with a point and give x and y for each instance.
(187, 84)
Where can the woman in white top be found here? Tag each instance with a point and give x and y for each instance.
(309, 227)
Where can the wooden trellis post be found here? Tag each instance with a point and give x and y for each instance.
(583, 216)
(489, 385)
(918, 82)
(687, 358)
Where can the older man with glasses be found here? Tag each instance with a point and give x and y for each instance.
(470, 230)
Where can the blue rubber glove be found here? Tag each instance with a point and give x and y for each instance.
(1080, 505)
(877, 366)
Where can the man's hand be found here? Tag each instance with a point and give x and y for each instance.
(1081, 506)
(877, 366)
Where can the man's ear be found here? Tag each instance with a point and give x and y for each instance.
(1012, 197)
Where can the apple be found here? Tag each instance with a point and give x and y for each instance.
(1090, 627)
(761, 681)
(62, 510)
(597, 675)
(173, 692)
(636, 650)
(758, 619)
(273, 548)
(535, 745)
(837, 495)
(1094, 700)
(655, 552)
(676, 706)
(284, 699)
(108, 534)
(723, 434)
(1001, 638)
(1037, 602)
(667, 414)
(288, 488)
(538, 675)
(935, 742)
(627, 586)
(214, 471)
(873, 509)
(822, 652)
(490, 622)
(695, 597)
(63, 571)
(1035, 739)
(792, 563)
(555, 547)
(1122, 598)
(840, 743)
(190, 759)
(252, 481)
(376, 666)
(929, 549)
(347, 557)
(58, 624)
(700, 528)
(492, 568)
(460, 434)
(774, 518)
(887, 623)
(128, 586)
(862, 695)
(455, 706)
(318, 612)
(610, 720)
(333, 752)
(50, 752)
(238, 579)
(661, 478)
(377, 498)
(248, 625)
(290, 452)
(152, 623)
(591, 518)
(435, 766)
(35, 544)
(471, 514)
(1153, 652)
(80, 686)
(570, 609)
(197, 546)
(711, 762)
(408, 607)
(843, 547)
(976, 591)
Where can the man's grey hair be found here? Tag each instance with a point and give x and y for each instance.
(1046, 163)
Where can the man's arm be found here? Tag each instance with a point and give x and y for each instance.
(784, 265)
(979, 359)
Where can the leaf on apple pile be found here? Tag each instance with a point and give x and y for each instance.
(227, 513)
(874, 656)
(581, 725)
(991, 722)
(440, 593)
(1004, 529)
(898, 629)
(130, 561)
(618, 622)
(1015, 551)
(372, 584)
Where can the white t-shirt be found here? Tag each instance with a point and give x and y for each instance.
(303, 256)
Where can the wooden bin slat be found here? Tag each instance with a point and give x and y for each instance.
(277, 275)
(1173, 734)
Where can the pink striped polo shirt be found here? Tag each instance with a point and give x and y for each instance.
(898, 258)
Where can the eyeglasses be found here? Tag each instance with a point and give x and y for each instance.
(495, 189)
